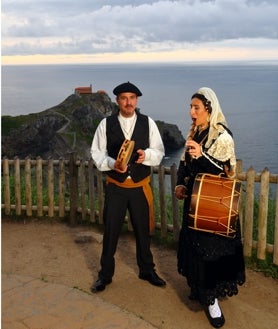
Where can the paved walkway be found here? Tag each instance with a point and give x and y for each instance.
(29, 303)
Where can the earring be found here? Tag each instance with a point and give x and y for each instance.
(208, 118)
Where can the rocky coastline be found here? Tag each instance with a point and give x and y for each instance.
(67, 127)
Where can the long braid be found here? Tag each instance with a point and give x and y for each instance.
(191, 131)
(189, 137)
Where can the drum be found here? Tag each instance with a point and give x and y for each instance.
(125, 153)
(214, 205)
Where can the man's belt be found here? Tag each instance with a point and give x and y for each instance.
(145, 184)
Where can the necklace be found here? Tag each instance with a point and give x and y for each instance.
(202, 128)
(201, 143)
(198, 136)
(127, 125)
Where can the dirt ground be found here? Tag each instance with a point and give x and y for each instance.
(49, 251)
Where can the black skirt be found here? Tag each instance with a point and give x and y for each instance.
(213, 265)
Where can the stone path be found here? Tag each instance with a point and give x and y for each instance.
(29, 303)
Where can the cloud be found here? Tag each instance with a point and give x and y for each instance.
(94, 27)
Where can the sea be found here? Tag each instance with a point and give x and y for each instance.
(247, 91)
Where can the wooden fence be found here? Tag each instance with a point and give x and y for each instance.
(73, 190)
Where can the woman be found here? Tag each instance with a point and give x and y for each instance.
(212, 264)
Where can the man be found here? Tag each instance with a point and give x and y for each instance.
(127, 188)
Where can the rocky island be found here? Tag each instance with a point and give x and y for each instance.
(67, 127)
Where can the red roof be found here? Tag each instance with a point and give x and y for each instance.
(83, 90)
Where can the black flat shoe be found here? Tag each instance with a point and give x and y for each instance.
(153, 278)
(215, 322)
(100, 285)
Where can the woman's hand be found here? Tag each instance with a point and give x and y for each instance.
(194, 149)
(180, 192)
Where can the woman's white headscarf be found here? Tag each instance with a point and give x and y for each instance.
(216, 115)
(220, 144)
(223, 148)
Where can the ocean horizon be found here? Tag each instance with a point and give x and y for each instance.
(247, 92)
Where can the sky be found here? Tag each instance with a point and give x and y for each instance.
(115, 31)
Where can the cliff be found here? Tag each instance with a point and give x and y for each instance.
(67, 127)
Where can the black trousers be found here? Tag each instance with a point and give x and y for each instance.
(117, 201)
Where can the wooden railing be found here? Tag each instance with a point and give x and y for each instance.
(73, 190)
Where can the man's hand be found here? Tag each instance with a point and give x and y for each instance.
(141, 156)
(118, 167)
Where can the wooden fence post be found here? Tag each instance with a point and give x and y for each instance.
(239, 166)
(100, 196)
(17, 187)
(62, 181)
(240, 206)
(161, 181)
(73, 173)
(7, 191)
(82, 189)
(263, 209)
(275, 251)
(39, 184)
(249, 212)
(28, 188)
(92, 191)
(175, 203)
(50, 188)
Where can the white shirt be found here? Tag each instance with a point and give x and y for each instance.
(153, 154)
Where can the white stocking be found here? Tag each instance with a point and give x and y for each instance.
(214, 310)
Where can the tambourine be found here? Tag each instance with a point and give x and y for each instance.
(125, 153)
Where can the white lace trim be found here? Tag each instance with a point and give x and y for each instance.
(223, 149)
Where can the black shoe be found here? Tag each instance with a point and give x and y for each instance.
(215, 322)
(100, 285)
(153, 278)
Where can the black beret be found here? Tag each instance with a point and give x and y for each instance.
(126, 87)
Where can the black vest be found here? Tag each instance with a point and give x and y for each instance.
(115, 138)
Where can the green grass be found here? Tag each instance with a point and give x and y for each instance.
(264, 266)
(9, 123)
